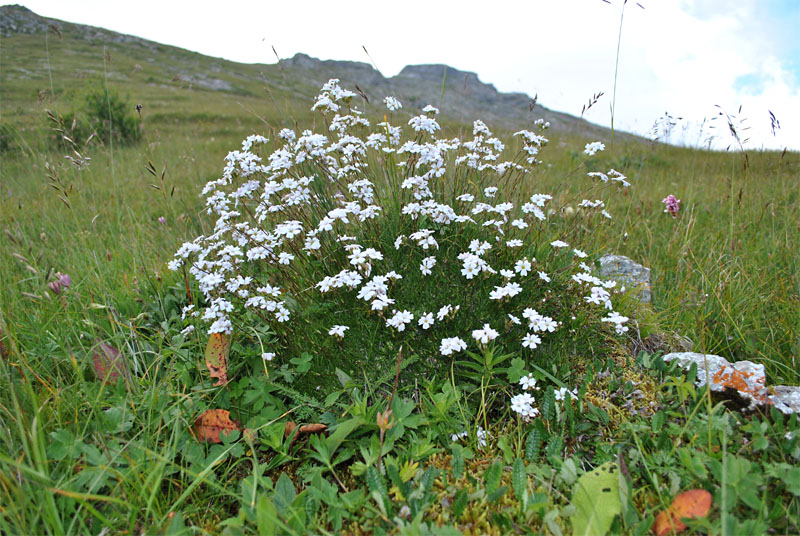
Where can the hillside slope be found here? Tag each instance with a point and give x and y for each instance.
(45, 61)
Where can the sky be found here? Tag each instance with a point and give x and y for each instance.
(691, 59)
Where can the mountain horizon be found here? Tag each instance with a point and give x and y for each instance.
(460, 95)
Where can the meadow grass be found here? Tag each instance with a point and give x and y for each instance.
(81, 455)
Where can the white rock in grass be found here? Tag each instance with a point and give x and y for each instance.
(748, 379)
(785, 398)
(627, 272)
(744, 377)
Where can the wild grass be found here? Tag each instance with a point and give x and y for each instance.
(80, 455)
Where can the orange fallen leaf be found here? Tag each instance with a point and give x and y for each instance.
(211, 423)
(108, 363)
(688, 505)
(217, 350)
(315, 428)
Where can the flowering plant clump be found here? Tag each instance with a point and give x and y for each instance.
(354, 242)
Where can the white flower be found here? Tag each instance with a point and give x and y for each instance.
(528, 382)
(451, 345)
(561, 394)
(580, 254)
(392, 104)
(399, 320)
(426, 320)
(523, 266)
(187, 330)
(458, 436)
(490, 191)
(484, 335)
(514, 243)
(268, 356)
(338, 331)
(514, 319)
(427, 264)
(444, 311)
(282, 315)
(519, 224)
(544, 277)
(424, 123)
(618, 320)
(285, 258)
(531, 341)
(559, 244)
(592, 148)
(481, 435)
(522, 404)
(466, 198)
(510, 290)
(508, 274)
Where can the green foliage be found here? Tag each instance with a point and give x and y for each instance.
(79, 457)
(101, 115)
(596, 500)
(9, 137)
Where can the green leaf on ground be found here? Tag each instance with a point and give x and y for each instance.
(596, 498)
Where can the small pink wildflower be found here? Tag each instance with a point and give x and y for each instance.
(672, 205)
(62, 281)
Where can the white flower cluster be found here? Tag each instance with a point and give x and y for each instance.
(592, 148)
(312, 205)
(523, 404)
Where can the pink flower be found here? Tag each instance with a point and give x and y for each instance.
(64, 279)
(162, 220)
(672, 205)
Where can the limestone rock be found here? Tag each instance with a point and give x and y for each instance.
(748, 379)
(785, 398)
(627, 272)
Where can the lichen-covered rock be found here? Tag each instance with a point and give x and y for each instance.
(748, 379)
(627, 272)
(785, 398)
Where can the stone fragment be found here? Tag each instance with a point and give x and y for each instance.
(627, 272)
(786, 398)
(748, 379)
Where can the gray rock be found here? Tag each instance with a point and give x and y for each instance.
(744, 377)
(785, 398)
(627, 272)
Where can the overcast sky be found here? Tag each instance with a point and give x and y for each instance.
(677, 56)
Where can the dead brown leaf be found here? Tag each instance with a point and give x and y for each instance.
(212, 422)
(306, 429)
(217, 350)
(688, 505)
(109, 364)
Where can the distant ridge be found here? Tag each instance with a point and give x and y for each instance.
(464, 98)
